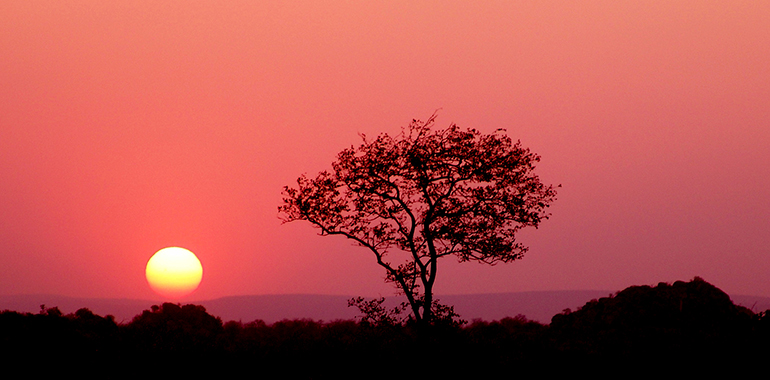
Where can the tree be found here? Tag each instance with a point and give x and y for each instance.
(423, 195)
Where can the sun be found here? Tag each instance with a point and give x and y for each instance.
(174, 272)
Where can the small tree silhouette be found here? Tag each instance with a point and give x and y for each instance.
(374, 313)
(173, 327)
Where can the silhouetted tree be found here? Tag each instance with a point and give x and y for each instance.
(683, 319)
(174, 328)
(95, 333)
(423, 195)
(509, 341)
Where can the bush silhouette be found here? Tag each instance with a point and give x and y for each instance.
(174, 328)
(686, 318)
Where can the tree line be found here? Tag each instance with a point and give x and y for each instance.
(676, 322)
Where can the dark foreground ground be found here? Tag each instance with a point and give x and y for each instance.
(642, 328)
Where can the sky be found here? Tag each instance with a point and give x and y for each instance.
(129, 126)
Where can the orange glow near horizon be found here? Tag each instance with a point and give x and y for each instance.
(174, 272)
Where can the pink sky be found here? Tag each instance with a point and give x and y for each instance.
(129, 126)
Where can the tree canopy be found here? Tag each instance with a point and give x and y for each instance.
(425, 194)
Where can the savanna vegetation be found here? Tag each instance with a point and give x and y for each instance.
(679, 323)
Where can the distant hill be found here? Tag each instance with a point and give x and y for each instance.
(539, 305)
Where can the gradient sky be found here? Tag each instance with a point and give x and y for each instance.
(129, 126)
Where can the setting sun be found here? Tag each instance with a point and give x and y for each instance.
(174, 272)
